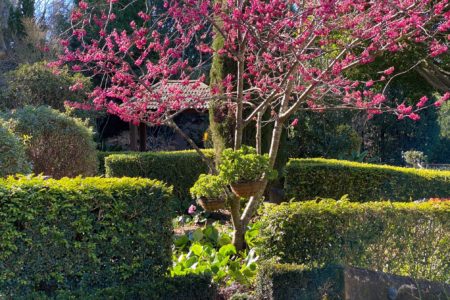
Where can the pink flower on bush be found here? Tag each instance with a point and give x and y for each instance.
(192, 209)
(369, 83)
(83, 5)
(295, 122)
(422, 101)
(389, 71)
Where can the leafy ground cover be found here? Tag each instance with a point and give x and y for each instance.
(203, 246)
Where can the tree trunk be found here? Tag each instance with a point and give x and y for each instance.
(142, 137)
(238, 226)
(239, 237)
(239, 232)
(220, 117)
(133, 137)
(239, 125)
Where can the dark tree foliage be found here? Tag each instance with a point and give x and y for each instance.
(24, 8)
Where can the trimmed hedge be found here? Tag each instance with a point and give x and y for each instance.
(102, 155)
(411, 239)
(189, 287)
(82, 234)
(329, 178)
(178, 168)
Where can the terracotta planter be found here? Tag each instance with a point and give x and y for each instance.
(211, 204)
(246, 189)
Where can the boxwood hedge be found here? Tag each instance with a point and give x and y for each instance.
(411, 239)
(188, 287)
(82, 234)
(329, 178)
(178, 168)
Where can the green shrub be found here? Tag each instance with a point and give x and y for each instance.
(328, 178)
(410, 239)
(12, 153)
(82, 234)
(178, 168)
(36, 84)
(56, 144)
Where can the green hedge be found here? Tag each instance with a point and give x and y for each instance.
(329, 178)
(189, 287)
(102, 155)
(178, 168)
(82, 234)
(411, 239)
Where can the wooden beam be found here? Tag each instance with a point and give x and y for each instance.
(133, 137)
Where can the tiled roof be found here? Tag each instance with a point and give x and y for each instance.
(192, 91)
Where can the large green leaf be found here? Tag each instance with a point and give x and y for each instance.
(227, 250)
(197, 249)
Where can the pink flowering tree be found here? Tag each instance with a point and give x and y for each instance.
(291, 55)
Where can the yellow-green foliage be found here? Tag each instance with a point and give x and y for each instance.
(178, 168)
(329, 178)
(13, 159)
(402, 238)
(82, 234)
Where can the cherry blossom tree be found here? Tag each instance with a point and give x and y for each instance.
(290, 55)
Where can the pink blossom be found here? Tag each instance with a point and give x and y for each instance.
(378, 99)
(192, 209)
(414, 116)
(446, 97)
(77, 86)
(76, 15)
(404, 110)
(369, 83)
(82, 5)
(76, 68)
(389, 71)
(268, 37)
(437, 49)
(422, 101)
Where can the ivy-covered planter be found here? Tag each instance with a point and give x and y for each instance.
(211, 204)
(246, 189)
